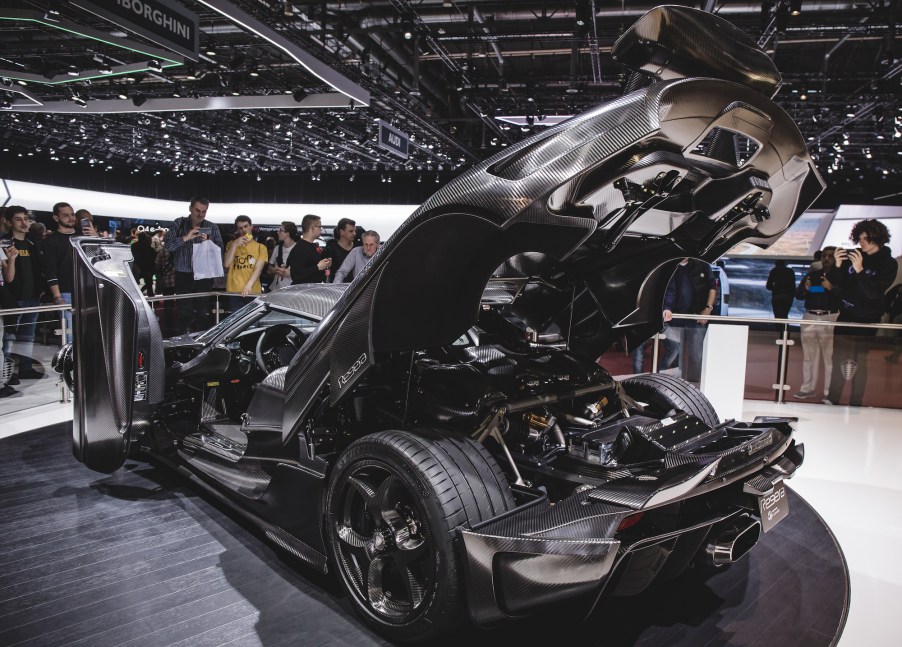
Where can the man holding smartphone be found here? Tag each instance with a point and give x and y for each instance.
(184, 234)
(821, 304)
(860, 278)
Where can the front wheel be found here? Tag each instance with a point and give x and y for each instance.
(393, 506)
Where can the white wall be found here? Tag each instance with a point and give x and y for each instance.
(384, 218)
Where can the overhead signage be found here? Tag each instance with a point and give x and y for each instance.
(162, 21)
(393, 140)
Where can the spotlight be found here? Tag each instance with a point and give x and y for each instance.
(795, 7)
(351, 179)
(139, 100)
(253, 72)
(211, 48)
(299, 95)
(72, 70)
(6, 105)
(419, 178)
(389, 179)
(52, 15)
(123, 95)
(408, 30)
(79, 100)
(105, 69)
(190, 74)
(154, 66)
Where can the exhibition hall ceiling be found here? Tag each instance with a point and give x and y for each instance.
(298, 87)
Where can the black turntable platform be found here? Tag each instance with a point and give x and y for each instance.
(140, 558)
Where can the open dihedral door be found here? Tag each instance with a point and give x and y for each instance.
(118, 352)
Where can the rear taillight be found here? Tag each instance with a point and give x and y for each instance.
(630, 521)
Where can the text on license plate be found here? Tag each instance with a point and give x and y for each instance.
(773, 507)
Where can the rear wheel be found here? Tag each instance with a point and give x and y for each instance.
(394, 503)
(663, 393)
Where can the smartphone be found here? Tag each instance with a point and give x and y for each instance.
(85, 223)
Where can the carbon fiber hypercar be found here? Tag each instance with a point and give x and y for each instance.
(448, 444)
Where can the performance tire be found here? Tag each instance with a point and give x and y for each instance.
(394, 503)
(663, 393)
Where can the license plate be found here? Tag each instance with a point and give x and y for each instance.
(774, 507)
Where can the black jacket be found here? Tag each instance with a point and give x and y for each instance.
(302, 263)
(861, 294)
(819, 299)
(57, 257)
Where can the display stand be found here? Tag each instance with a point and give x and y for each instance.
(140, 556)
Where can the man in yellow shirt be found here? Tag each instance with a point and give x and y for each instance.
(244, 260)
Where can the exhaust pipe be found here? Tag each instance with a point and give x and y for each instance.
(732, 541)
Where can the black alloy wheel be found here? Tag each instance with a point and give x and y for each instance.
(394, 503)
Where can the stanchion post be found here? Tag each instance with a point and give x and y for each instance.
(64, 335)
(785, 342)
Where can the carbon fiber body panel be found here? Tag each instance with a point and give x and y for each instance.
(540, 553)
(675, 42)
(119, 380)
(556, 194)
(312, 300)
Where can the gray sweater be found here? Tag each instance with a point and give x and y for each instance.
(352, 266)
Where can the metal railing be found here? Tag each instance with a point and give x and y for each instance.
(784, 341)
(63, 331)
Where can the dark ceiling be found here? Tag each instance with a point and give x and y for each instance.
(441, 70)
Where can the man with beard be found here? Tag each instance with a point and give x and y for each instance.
(341, 244)
(57, 257)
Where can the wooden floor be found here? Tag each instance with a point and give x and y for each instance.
(138, 558)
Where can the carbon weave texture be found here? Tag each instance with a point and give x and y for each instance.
(108, 300)
(276, 379)
(575, 517)
(97, 441)
(353, 342)
(573, 149)
(313, 300)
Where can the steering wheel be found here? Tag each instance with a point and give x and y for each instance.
(277, 345)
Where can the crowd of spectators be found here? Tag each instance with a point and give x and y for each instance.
(189, 257)
(859, 285)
